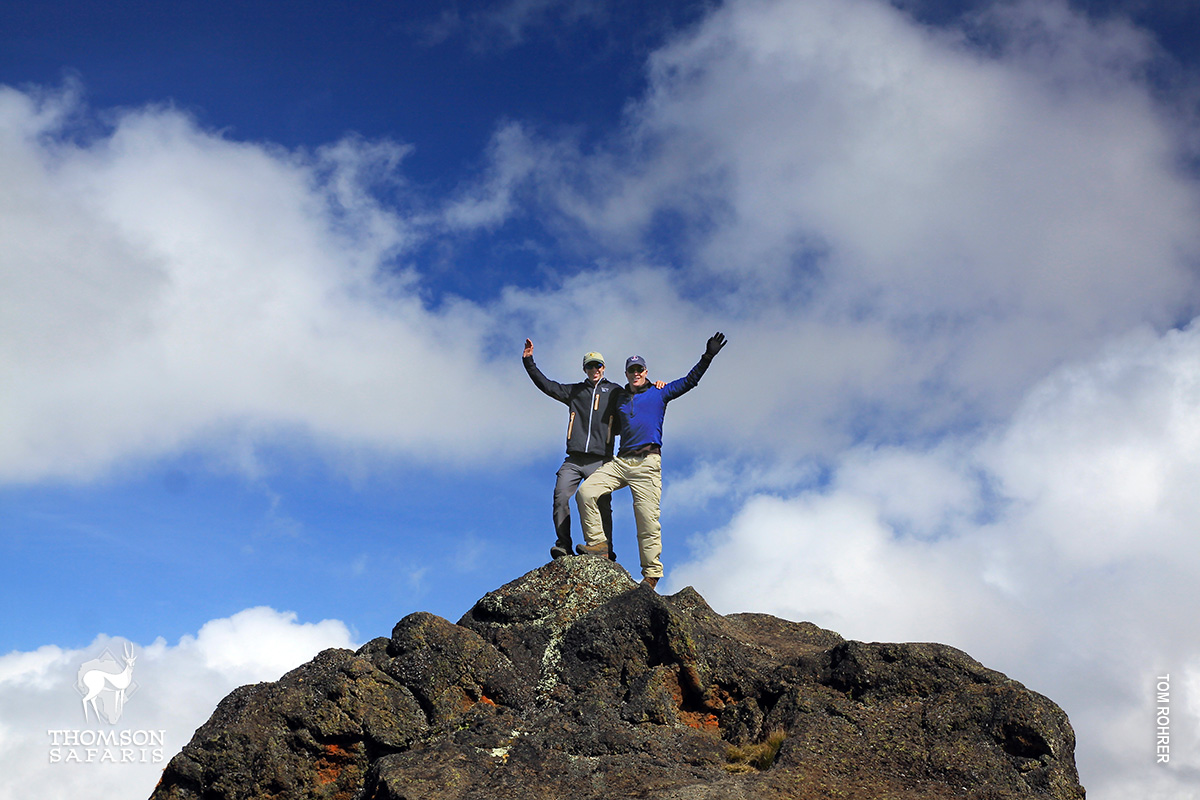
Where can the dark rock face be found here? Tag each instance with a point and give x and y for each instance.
(575, 682)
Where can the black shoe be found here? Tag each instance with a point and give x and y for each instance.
(558, 551)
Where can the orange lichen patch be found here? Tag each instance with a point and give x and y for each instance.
(331, 763)
(462, 698)
(704, 722)
(694, 717)
(465, 699)
(671, 684)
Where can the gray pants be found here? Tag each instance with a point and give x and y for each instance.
(574, 470)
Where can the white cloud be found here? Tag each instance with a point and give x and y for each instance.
(177, 688)
(812, 125)
(726, 479)
(261, 640)
(1060, 549)
(947, 224)
(1111, 449)
(512, 160)
(164, 287)
(32, 668)
(899, 233)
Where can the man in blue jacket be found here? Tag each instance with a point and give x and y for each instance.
(640, 411)
(589, 442)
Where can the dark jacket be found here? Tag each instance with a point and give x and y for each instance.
(641, 414)
(589, 427)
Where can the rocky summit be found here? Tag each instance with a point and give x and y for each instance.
(575, 682)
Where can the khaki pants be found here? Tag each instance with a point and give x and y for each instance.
(643, 476)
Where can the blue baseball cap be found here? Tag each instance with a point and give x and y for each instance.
(635, 361)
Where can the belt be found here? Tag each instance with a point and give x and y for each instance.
(650, 449)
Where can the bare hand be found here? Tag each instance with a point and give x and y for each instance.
(659, 384)
(528, 348)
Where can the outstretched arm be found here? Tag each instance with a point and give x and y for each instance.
(686, 384)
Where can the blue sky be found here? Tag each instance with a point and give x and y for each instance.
(266, 277)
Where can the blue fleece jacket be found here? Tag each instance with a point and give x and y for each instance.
(640, 414)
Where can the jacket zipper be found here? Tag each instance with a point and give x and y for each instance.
(588, 442)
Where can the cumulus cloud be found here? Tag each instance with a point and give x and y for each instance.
(175, 687)
(899, 231)
(946, 222)
(1058, 548)
(164, 286)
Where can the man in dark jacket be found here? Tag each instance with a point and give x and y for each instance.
(640, 410)
(589, 441)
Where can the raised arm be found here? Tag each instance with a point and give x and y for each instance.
(548, 387)
(686, 384)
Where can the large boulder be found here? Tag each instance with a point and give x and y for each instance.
(575, 681)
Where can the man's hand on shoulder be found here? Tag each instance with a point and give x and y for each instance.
(528, 348)
(715, 343)
(659, 384)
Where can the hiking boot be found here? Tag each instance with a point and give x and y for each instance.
(558, 551)
(592, 549)
(651, 582)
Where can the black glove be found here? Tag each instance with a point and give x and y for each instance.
(715, 343)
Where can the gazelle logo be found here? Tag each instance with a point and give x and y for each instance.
(105, 686)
